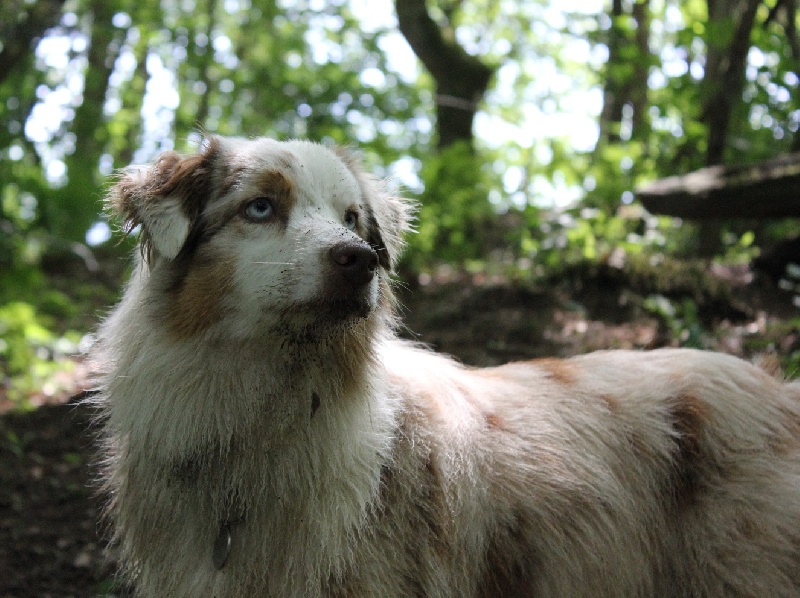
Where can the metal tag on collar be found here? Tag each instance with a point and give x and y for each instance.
(222, 546)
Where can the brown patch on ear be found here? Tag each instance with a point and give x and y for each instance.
(189, 178)
(689, 418)
(181, 180)
(197, 301)
(171, 174)
(139, 196)
(562, 371)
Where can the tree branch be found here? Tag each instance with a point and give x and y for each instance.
(765, 190)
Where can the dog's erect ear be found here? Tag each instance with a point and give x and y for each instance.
(165, 199)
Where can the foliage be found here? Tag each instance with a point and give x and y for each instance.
(584, 107)
(115, 82)
(681, 319)
(790, 356)
(30, 353)
(453, 213)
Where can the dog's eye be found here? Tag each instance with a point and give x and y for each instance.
(350, 219)
(258, 210)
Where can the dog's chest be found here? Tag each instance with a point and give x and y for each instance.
(271, 511)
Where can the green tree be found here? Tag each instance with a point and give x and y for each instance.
(90, 86)
(523, 133)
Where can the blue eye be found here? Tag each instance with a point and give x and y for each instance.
(259, 210)
(350, 219)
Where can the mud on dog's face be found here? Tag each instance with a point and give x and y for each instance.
(257, 234)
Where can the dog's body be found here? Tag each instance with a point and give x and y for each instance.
(267, 434)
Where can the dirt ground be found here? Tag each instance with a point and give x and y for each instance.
(50, 541)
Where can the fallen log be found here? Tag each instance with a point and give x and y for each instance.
(769, 189)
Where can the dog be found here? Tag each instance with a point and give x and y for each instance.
(266, 433)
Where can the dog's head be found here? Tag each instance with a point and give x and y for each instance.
(249, 234)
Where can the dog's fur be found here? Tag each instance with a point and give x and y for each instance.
(267, 434)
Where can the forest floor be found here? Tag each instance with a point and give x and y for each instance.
(50, 540)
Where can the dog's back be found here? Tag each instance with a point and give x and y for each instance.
(669, 473)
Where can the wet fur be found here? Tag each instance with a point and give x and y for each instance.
(242, 390)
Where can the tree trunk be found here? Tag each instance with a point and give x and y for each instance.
(203, 61)
(785, 11)
(461, 79)
(132, 100)
(726, 60)
(74, 207)
(626, 73)
(730, 23)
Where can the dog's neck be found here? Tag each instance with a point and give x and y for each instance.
(274, 434)
(273, 383)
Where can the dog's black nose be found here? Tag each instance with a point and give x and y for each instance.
(355, 261)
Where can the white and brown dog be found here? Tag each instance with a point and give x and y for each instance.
(267, 434)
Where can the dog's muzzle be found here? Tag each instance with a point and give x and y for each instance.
(352, 266)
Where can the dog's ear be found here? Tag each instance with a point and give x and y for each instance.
(165, 199)
(388, 217)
